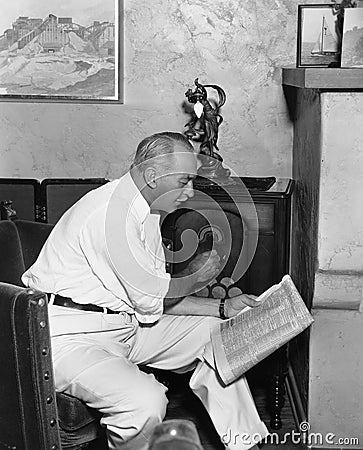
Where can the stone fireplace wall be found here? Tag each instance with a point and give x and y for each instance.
(327, 258)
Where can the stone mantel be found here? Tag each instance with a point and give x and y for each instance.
(323, 78)
(327, 109)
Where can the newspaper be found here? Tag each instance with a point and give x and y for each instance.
(244, 340)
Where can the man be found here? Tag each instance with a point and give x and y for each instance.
(114, 306)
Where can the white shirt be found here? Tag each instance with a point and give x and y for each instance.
(106, 250)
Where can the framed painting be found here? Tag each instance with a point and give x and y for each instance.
(352, 45)
(318, 43)
(61, 50)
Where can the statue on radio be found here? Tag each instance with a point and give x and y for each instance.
(203, 127)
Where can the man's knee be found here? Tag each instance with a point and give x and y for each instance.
(150, 400)
(146, 409)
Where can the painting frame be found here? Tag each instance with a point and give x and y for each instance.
(352, 39)
(93, 60)
(316, 28)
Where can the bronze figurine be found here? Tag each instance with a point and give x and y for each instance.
(203, 127)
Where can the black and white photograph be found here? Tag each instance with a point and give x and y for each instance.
(318, 41)
(352, 42)
(181, 225)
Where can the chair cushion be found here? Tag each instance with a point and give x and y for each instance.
(73, 414)
(79, 424)
(11, 262)
(32, 237)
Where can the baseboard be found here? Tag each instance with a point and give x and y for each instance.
(295, 399)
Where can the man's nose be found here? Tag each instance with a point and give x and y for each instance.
(189, 191)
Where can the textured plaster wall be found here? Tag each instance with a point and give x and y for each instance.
(339, 282)
(239, 45)
(335, 381)
(341, 194)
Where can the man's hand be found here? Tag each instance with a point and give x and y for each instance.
(205, 266)
(235, 305)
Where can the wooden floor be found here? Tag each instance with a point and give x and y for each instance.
(183, 404)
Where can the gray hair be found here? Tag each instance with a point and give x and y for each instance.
(159, 144)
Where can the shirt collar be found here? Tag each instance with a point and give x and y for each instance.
(140, 205)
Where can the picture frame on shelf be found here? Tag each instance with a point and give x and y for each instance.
(318, 41)
(352, 40)
(61, 51)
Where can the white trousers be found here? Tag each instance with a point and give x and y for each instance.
(100, 368)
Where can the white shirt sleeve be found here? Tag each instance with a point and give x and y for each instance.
(134, 253)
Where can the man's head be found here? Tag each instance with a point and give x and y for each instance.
(164, 168)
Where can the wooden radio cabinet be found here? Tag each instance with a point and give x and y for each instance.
(203, 215)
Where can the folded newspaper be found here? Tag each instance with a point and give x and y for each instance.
(244, 340)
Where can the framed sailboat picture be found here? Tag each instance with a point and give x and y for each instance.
(318, 42)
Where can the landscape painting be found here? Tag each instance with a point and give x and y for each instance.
(352, 46)
(60, 50)
(318, 41)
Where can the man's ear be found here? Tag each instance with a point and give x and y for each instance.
(150, 177)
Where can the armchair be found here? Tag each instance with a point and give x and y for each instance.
(32, 415)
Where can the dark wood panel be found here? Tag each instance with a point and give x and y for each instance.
(306, 172)
(59, 194)
(261, 271)
(266, 217)
(23, 193)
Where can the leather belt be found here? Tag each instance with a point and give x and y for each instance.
(69, 303)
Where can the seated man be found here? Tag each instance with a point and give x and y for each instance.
(113, 306)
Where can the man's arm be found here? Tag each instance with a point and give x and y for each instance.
(201, 269)
(192, 306)
(206, 306)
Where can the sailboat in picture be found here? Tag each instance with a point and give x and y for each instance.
(326, 43)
